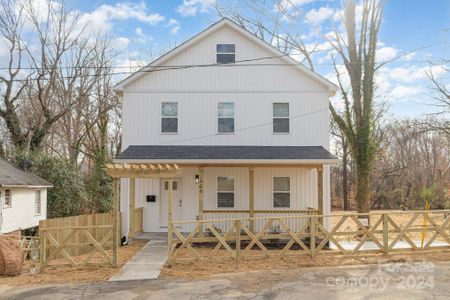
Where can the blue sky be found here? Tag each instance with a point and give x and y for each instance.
(145, 29)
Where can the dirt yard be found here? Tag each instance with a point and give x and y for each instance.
(295, 261)
(68, 274)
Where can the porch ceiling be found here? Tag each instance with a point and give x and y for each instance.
(142, 170)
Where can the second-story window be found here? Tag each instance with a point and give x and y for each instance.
(281, 118)
(225, 53)
(225, 120)
(169, 117)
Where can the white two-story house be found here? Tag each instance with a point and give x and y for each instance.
(245, 123)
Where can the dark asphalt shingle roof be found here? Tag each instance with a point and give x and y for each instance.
(11, 176)
(171, 152)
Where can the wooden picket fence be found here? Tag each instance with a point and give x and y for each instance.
(78, 240)
(346, 234)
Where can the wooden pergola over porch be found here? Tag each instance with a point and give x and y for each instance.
(133, 171)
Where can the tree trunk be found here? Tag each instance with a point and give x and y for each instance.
(345, 175)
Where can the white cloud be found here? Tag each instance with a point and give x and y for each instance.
(121, 43)
(402, 91)
(100, 19)
(174, 30)
(192, 7)
(173, 22)
(174, 26)
(316, 16)
(290, 4)
(386, 53)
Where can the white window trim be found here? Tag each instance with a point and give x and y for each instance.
(217, 192)
(234, 118)
(288, 117)
(163, 117)
(290, 192)
(36, 213)
(224, 43)
(10, 198)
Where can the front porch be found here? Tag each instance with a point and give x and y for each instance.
(190, 192)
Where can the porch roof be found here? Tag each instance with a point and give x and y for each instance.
(227, 154)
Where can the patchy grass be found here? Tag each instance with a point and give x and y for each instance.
(68, 274)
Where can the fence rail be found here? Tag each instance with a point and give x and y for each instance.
(78, 240)
(347, 234)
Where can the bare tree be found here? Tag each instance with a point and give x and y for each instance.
(11, 26)
(357, 50)
(278, 27)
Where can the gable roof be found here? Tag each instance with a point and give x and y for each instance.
(11, 176)
(228, 154)
(332, 88)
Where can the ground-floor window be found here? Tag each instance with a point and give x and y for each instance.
(281, 192)
(225, 191)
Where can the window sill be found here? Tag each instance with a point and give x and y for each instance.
(7, 206)
(281, 133)
(226, 133)
(169, 133)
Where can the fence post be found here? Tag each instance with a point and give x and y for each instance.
(237, 224)
(42, 248)
(312, 237)
(385, 234)
(116, 222)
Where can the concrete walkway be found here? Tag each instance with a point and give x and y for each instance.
(148, 262)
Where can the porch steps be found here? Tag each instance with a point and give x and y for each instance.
(146, 264)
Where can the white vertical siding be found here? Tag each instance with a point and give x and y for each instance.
(253, 89)
(21, 214)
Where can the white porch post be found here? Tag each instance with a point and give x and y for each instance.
(201, 197)
(132, 199)
(169, 221)
(251, 197)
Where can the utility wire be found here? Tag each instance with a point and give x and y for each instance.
(245, 128)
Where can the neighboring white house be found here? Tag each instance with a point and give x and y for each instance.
(23, 198)
(234, 113)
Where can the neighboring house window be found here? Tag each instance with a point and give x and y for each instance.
(281, 192)
(281, 117)
(225, 53)
(169, 117)
(226, 117)
(225, 191)
(37, 202)
(8, 198)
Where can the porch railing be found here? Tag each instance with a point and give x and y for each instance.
(258, 218)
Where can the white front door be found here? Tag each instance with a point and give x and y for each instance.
(177, 205)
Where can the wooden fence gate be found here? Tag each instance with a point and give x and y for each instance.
(78, 241)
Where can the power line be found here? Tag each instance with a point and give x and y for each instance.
(244, 128)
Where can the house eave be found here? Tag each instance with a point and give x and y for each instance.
(261, 162)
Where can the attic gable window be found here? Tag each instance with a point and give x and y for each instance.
(225, 53)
